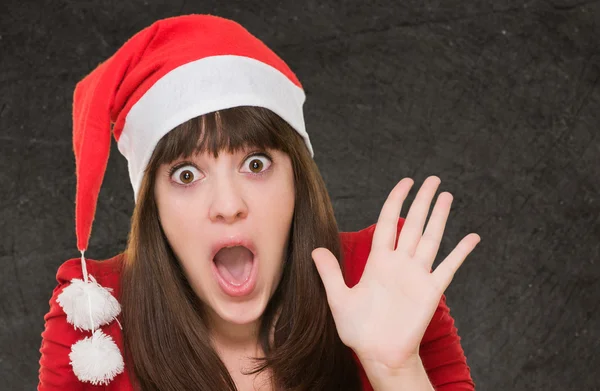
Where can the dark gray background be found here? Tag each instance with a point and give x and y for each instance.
(500, 99)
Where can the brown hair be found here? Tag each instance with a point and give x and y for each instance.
(166, 338)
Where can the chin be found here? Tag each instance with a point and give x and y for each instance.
(240, 312)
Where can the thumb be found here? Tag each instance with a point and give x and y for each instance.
(331, 275)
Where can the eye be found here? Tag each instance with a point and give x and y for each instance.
(257, 163)
(184, 175)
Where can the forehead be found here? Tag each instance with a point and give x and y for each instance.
(198, 137)
(202, 150)
(238, 151)
(229, 130)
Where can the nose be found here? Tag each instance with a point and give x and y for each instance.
(228, 204)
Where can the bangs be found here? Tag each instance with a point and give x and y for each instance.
(229, 130)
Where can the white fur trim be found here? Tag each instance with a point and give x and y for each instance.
(88, 305)
(96, 359)
(200, 87)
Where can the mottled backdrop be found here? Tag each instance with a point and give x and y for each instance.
(500, 99)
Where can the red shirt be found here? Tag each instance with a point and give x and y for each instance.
(440, 349)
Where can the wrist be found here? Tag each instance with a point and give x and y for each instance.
(410, 376)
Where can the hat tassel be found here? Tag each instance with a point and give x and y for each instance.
(88, 305)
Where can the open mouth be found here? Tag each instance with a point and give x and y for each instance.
(234, 264)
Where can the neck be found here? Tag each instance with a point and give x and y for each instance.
(234, 337)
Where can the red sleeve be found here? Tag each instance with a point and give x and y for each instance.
(442, 355)
(55, 371)
(440, 349)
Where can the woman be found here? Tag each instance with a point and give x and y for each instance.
(235, 275)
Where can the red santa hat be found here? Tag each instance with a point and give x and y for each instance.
(172, 71)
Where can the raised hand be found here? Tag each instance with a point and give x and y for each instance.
(384, 316)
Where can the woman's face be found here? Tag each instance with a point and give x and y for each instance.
(245, 200)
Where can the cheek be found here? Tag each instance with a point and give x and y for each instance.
(182, 232)
(274, 210)
(179, 225)
(276, 205)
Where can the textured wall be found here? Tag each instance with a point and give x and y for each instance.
(500, 99)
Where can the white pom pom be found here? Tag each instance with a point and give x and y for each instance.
(96, 359)
(88, 302)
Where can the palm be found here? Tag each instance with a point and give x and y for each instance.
(384, 316)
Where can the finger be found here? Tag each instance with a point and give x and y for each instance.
(387, 223)
(415, 221)
(445, 271)
(430, 241)
(331, 275)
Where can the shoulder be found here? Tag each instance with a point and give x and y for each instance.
(356, 247)
(106, 272)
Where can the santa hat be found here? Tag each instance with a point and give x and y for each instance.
(172, 71)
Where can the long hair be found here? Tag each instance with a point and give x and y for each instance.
(164, 324)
